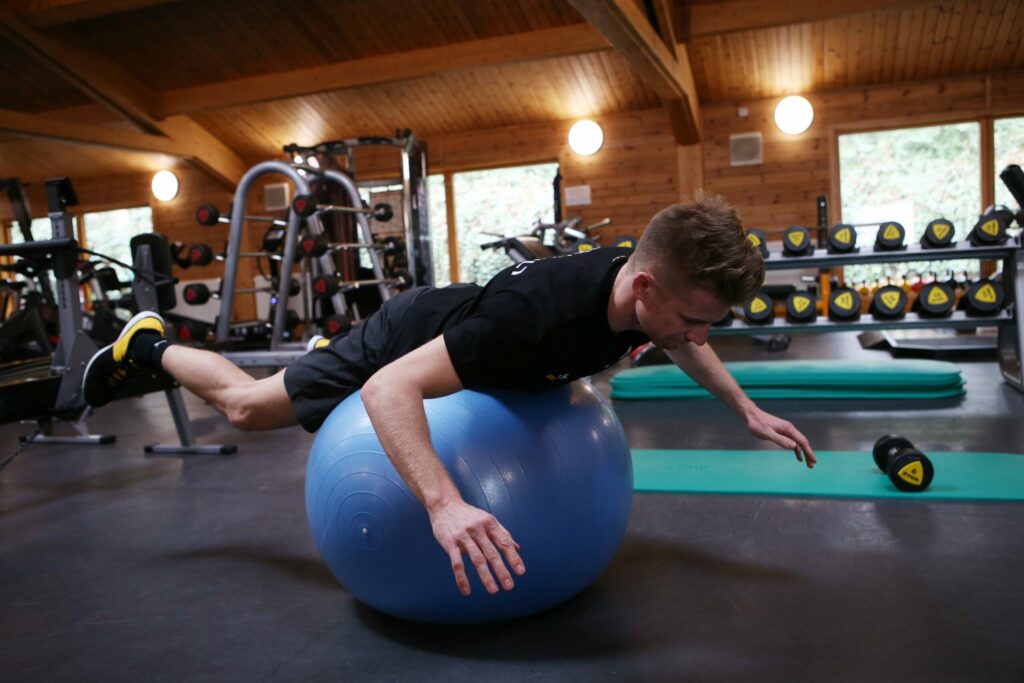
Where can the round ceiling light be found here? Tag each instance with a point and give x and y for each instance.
(793, 115)
(585, 137)
(165, 186)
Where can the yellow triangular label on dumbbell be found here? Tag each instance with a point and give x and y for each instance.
(937, 297)
(800, 303)
(796, 237)
(845, 300)
(584, 247)
(891, 232)
(890, 299)
(843, 236)
(986, 294)
(941, 230)
(758, 305)
(991, 227)
(754, 239)
(626, 244)
(912, 473)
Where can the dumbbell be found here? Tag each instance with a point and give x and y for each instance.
(192, 330)
(757, 238)
(984, 297)
(801, 307)
(890, 236)
(312, 246)
(908, 469)
(760, 309)
(305, 206)
(625, 242)
(197, 294)
(991, 228)
(889, 303)
(844, 304)
(329, 285)
(336, 324)
(939, 234)
(796, 241)
(209, 215)
(203, 255)
(935, 300)
(842, 239)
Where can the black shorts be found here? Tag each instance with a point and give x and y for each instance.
(320, 380)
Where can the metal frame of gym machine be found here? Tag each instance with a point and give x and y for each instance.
(417, 237)
(413, 181)
(75, 348)
(281, 354)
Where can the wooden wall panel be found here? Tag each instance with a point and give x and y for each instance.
(783, 190)
(634, 175)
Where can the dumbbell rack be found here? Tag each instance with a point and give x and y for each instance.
(1010, 324)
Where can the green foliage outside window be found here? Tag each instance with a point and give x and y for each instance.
(1009, 149)
(502, 201)
(911, 175)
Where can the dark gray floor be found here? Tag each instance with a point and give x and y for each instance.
(118, 567)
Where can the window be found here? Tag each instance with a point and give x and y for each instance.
(109, 233)
(501, 201)
(913, 176)
(1009, 149)
(437, 210)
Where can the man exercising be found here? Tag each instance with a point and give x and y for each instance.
(536, 325)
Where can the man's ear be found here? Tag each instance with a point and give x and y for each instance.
(643, 285)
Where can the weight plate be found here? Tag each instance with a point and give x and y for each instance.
(801, 307)
(935, 299)
(889, 302)
(796, 241)
(759, 310)
(842, 239)
(757, 238)
(844, 304)
(990, 229)
(890, 236)
(984, 297)
(938, 234)
(911, 471)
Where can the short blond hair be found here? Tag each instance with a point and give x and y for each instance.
(702, 243)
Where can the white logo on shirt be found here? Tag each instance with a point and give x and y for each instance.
(519, 269)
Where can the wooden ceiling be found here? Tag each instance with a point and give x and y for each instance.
(227, 83)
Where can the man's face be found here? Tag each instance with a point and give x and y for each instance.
(674, 319)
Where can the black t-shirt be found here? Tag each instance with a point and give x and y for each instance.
(534, 326)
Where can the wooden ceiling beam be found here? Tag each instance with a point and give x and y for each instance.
(732, 16)
(628, 30)
(518, 47)
(112, 86)
(47, 13)
(35, 126)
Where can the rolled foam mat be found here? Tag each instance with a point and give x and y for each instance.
(814, 373)
(849, 393)
(838, 474)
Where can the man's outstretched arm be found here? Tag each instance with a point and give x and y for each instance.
(703, 365)
(394, 401)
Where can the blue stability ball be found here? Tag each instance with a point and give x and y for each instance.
(553, 467)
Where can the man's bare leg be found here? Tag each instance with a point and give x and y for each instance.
(250, 404)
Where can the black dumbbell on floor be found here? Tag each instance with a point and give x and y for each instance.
(908, 469)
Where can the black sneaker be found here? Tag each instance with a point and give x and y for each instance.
(110, 366)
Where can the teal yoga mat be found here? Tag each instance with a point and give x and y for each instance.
(810, 373)
(838, 474)
(759, 393)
